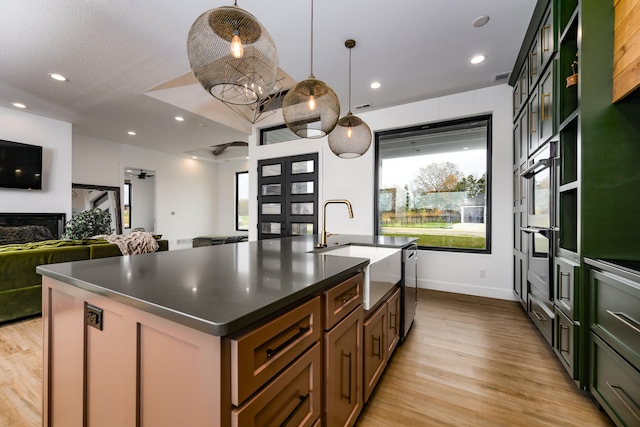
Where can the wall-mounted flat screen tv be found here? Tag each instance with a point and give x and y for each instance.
(20, 165)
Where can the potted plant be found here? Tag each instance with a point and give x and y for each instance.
(87, 224)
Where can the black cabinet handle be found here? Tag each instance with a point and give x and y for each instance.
(392, 321)
(379, 339)
(345, 298)
(348, 396)
(301, 332)
(303, 399)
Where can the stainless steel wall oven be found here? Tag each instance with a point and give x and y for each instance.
(540, 229)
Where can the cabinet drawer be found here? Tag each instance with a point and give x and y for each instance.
(342, 299)
(615, 314)
(566, 273)
(615, 384)
(566, 332)
(260, 354)
(291, 399)
(541, 317)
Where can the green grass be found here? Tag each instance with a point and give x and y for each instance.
(421, 225)
(459, 242)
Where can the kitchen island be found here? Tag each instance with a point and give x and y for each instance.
(161, 339)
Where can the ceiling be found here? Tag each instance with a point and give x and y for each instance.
(127, 65)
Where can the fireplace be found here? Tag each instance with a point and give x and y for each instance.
(53, 222)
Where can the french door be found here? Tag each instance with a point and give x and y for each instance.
(288, 196)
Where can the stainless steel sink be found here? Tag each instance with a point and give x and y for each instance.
(382, 273)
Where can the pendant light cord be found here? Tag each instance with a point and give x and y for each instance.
(350, 79)
(312, 37)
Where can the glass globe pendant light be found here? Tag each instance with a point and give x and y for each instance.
(232, 55)
(311, 108)
(351, 137)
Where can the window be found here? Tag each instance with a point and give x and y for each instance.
(242, 201)
(276, 134)
(433, 182)
(127, 204)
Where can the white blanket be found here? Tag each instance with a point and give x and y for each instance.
(137, 242)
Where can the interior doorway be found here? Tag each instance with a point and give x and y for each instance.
(139, 200)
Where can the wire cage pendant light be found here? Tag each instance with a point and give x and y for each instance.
(232, 55)
(351, 137)
(311, 108)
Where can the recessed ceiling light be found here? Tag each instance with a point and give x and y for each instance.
(465, 148)
(480, 21)
(179, 119)
(478, 59)
(132, 133)
(19, 105)
(58, 77)
(375, 85)
(194, 157)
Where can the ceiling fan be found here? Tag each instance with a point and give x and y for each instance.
(144, 175)
(219, 149)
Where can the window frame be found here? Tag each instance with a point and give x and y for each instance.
(237, 197)
(488, 192)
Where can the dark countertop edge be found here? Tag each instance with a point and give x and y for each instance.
(221, 329)
(613, 267)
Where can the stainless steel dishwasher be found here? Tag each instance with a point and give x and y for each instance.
(409, 286)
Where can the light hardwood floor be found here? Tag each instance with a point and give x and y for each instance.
(468, 361)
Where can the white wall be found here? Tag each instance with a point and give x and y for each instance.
(186, 189)
(55, 138)
(354, 180)
(227, 196)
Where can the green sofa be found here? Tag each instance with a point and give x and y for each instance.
(21, 286)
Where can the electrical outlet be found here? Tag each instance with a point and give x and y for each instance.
(93, 316)
(483, 273)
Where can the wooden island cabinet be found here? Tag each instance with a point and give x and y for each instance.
(179, 338)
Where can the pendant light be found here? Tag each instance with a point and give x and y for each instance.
(351, 138)
(311, 108)
(232, 55)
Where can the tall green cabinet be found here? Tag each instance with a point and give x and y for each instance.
(596, 174)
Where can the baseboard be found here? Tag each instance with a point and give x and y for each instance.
(466, 289)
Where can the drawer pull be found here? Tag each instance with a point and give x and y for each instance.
(301, 332)
(379, 346)
(345, 298)
(539, 316)
(392, 320)
(542, 105)
(303, 400)
(565, 279)
(563, 338)
(348, 396)
(626, 320)
(621, 394)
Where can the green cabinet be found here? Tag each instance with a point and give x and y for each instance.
(567, 56)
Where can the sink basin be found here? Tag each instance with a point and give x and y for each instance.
(382, 273)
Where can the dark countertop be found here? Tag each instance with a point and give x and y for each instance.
(219, 289)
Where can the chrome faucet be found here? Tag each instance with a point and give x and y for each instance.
(324, 234)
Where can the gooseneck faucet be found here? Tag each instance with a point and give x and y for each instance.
(323, 234)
